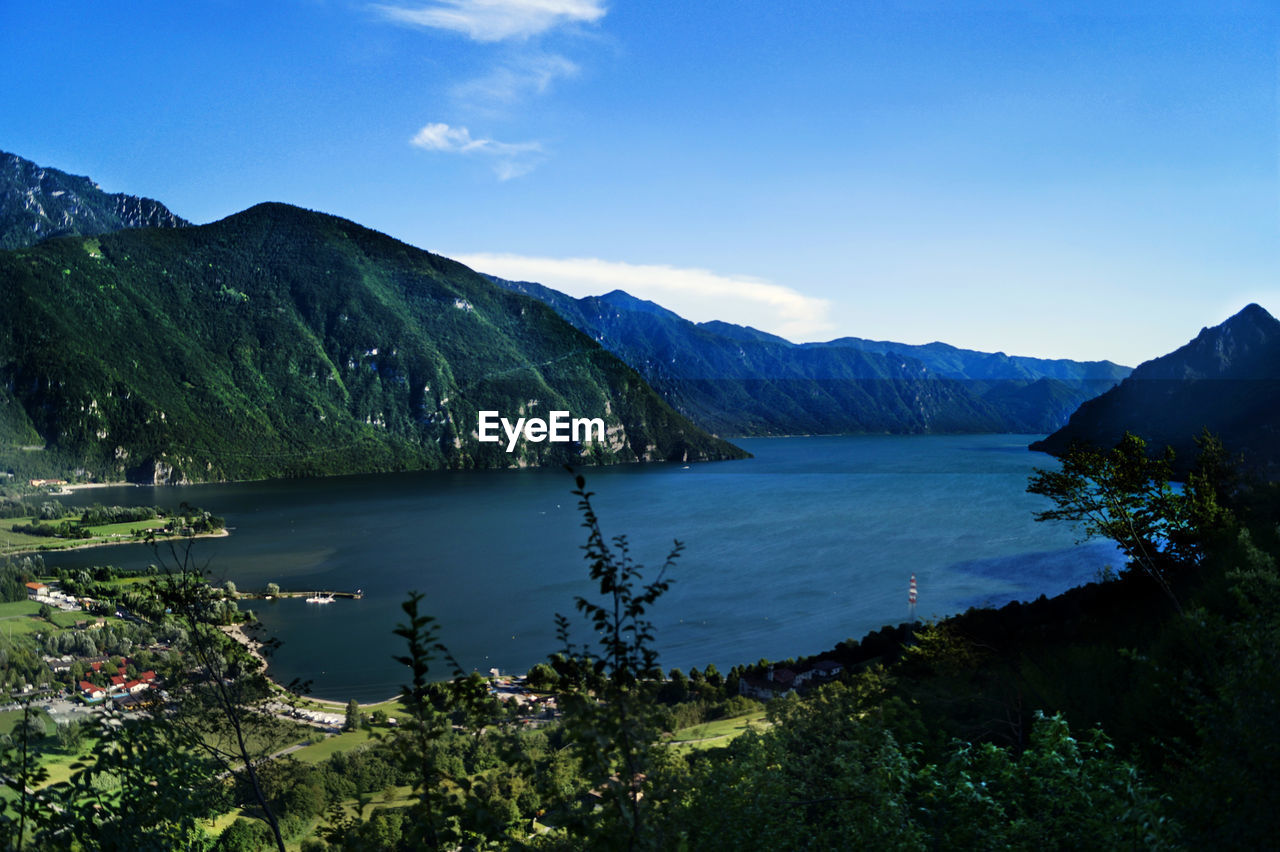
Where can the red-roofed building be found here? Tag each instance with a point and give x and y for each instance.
(117, 680)
(148, 676)
(97, 667)
(90, 691)
(783, 677)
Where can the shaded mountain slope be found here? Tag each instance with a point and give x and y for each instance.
(1226, 380)
(741, 381)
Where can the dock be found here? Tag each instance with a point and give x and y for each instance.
(356, 595)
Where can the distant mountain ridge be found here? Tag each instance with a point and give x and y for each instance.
(37, 203)
(1227, 380)
(736, 380)
(955, 363)
(283, 342)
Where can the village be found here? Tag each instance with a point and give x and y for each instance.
(98, 681)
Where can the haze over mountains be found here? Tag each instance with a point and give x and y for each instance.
(741, 381)
(1226, 380)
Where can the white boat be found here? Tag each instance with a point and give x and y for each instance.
(319, 598)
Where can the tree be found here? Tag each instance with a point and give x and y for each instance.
(354, 716)
(1126, 495)
(146, 786)
(244, 835)
(829, 766)
(273, 589)
(27, 810)
(541, 677)
(610, 716)
(71, 737)
(219, 694)
(428, 721)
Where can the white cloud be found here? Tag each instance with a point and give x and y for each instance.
(696, 294)
(511, 82)
(510, 159)
(496, 20)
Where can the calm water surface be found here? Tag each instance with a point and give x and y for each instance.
(809, 543)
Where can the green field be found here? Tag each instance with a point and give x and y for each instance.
(279, 735)
(717, 733)
(11, 541)
(324, 749)
(16, 542)
(9, 720)
(18, 608)
(127, 529)
(19, 619)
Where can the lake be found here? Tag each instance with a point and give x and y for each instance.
(811, 542)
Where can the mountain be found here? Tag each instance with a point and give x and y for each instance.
(282, 342)
(954, 363)
(1226, 380)
(37, 203)
(741, 381)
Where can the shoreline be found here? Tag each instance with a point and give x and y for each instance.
(67, 490)
(222, 533)
(238, 633)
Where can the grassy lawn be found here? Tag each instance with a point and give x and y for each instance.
(9, 720)
(331, 745)
(19, 619)
(67, 620)
(402, 797)
(128, 528)
(24, 625)
(17, 608)
(11, 541)
(364, 807)
(281, 735)
(717, 733)
(219, 825)
(131, 579)
(58, 766)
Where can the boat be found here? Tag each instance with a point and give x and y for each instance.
(319, 598)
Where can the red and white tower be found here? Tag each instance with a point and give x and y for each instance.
(911, 598)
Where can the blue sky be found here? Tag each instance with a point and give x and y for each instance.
(1050, 179)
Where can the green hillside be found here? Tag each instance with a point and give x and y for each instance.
(281, 342)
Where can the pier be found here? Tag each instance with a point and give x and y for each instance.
(356, 595)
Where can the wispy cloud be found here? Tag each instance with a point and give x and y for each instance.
(696, 294)
(496, 20)
(509, 159)
(528, 75)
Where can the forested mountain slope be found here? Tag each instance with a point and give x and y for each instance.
(282, 342)
(1226, 380)
(741, 381)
